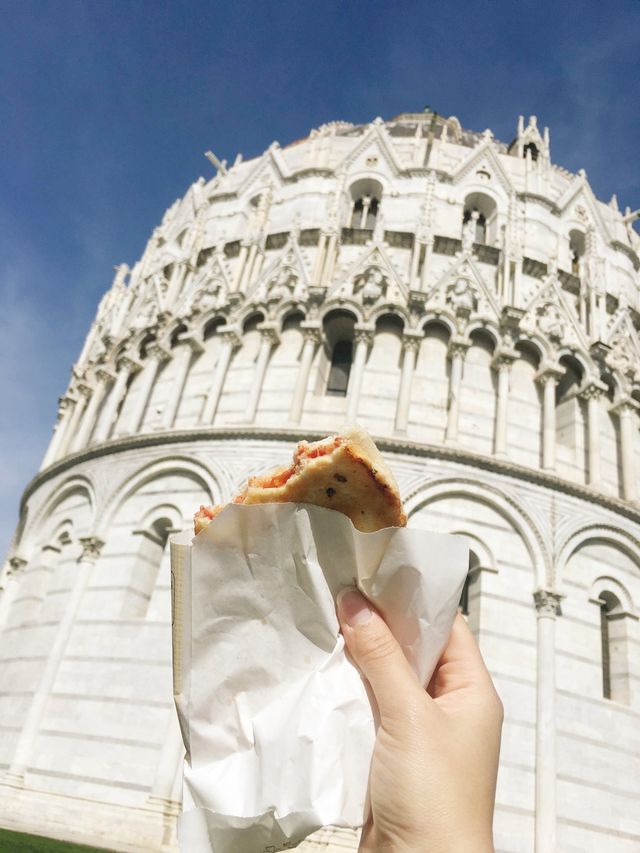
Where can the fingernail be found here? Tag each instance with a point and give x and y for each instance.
(353, 607)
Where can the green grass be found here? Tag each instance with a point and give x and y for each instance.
(18, 842)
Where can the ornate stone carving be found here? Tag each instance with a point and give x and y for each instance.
(371, 285)
(311, 332)
(550, 321)
(547, 603)
(211, 295)
(91, 547)
(620, 357)
(469, 231)
(269, 332)
(154, 350)
(147, 316)
(462, 297)
(411, 341)
(363, 334)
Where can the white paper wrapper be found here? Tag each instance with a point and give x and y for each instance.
(276, 721)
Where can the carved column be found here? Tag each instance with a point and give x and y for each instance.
(410, 346)
(65, 408)
(9, 586)
(627, 410)
(312, 333)
(547, 609)
(428, 248)
(245, 276)
(363, 338)
(502, 362)
(182, 360)
(230, 340)
(549, 377)
(91, 547)
(330, 259)
(84, 392)
(156, 355)
(592, 393)
(89, 418)
(457, 352)
(126, 366)
(316, 276)
(242, 259)
(269, 335)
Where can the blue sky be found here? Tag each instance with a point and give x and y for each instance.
(108, 106)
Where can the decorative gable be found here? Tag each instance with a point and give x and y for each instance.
(209, 288)
(578, 201)
(285, 278)
(550, 314)
(485, 164)
(372, 279)
(464, 291)
(622, 338)
(374, 150)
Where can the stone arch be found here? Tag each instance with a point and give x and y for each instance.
(211, 316)
(251, 316)
(163, 510)
(442, 318)
(600, 534)
(391, 309)
(425, 494)
(486, 558)
(582, 358)
(348, 306)
(36, 529)
(485, 206)
(289, 309)
(216, 485)
(539, 343)
(606, 583)
(485, 327)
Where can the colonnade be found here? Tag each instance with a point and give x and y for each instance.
(91, 413)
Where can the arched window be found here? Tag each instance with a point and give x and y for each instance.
(615, 667)
(151, 547)
(480, 213)
(340, 369)
(532, 149)
(365, 203)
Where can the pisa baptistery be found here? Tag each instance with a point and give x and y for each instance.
(471, 304)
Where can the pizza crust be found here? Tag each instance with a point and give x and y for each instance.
(344, 472)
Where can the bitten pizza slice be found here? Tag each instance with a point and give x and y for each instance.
(343, 472)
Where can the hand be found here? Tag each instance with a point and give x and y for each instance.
(435, 761)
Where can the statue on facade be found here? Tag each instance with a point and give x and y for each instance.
(619, 357)
(147, 316)
(469, 231)
(281, 286)
(462, 297)
(211, 295)
(550, 321)
(371, 285)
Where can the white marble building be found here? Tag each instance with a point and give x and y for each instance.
(472, 305)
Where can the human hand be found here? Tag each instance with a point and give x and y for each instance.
(435, 762)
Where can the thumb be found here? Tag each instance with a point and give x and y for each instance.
(378, 655)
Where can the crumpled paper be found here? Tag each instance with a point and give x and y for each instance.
(276, 722)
